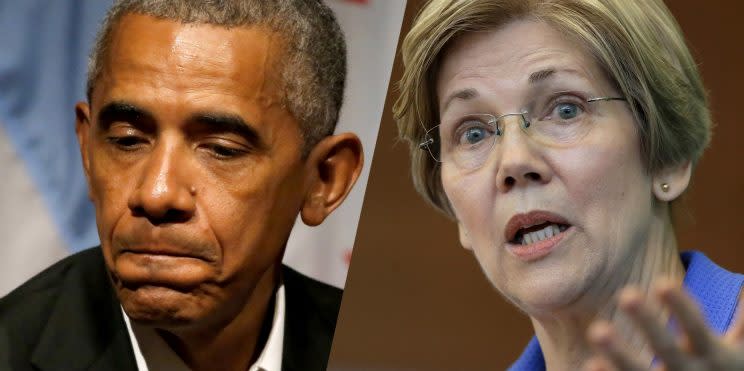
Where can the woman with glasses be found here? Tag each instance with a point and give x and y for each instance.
(557, 134)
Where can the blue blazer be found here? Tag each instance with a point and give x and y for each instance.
(715, 289)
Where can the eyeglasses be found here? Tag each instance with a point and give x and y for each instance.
(557, 120)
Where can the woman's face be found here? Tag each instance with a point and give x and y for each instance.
(593, 195)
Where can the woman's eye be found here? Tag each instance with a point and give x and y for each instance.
(474, 133)
(567, 111)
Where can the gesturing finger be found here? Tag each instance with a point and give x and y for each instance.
(686, 312)
(645, 314)
(735, 334)
(602, 336)
(598, 363)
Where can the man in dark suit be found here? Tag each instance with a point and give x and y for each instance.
(208, 128)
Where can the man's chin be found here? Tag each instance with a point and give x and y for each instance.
(164, 307)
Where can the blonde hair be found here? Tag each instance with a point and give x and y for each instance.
(637, 43)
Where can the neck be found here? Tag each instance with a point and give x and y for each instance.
(562, 334)
(234, 345)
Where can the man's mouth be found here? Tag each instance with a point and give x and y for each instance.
(175, 267)
(169, 251)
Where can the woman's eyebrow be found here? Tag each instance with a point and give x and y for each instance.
(535, 78)
(462, 94)
(549, 73)
(540, 76)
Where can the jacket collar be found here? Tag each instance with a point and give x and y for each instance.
(86, 307)
(88, 310)
(312, 309)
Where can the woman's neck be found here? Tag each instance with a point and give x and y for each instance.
(562, 334)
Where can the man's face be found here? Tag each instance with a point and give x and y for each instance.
(194, 166)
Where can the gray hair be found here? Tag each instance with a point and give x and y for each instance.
(314, 71)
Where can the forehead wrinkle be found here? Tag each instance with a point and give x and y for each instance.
(532, 68)
(544, 64)
(485, 51)
(225, 56)
(185, 51)
(164, 61)
(470, 83)
(487, 63)
(240, 62)
(202, 56)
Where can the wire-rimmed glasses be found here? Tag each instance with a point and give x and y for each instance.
(557, 120)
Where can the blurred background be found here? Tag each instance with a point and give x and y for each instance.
(416, 300)
(45, 213)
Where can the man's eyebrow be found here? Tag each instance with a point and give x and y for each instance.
(228, 123)
(463, 94)
(125, 112)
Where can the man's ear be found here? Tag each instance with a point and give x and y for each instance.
(333, 167)
(82, 128)
(670, 183)
(464, 237)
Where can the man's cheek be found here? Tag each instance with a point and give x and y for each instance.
(111, 206)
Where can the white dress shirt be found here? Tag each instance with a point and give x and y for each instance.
(152, 353)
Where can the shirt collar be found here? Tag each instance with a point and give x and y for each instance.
(270, 358)
(151, 352)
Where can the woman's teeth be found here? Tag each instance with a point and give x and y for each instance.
(541, 234)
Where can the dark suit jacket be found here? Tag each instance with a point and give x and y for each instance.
(68, 318)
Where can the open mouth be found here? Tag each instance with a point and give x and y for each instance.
(538, 232)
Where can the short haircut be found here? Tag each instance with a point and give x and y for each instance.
(637, 43)
(314, 69)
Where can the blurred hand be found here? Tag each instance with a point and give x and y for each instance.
(696, 347)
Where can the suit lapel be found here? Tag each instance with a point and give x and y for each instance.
(85, 329)
(310, 320)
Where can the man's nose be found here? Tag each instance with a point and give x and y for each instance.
(520, 158)
(165, 193)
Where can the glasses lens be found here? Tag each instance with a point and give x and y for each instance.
(468, 141)
(560, 120)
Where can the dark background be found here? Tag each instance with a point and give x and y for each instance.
(416, 300)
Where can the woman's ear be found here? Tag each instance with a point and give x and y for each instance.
(670, 183)
(332, 168)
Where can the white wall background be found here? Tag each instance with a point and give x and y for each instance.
(371, 29)
(44, 211)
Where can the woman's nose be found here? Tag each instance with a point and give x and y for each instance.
(521, 160)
